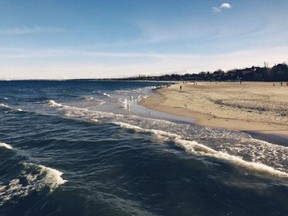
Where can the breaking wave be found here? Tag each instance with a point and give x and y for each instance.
(32, 178)
(107, 95)
(198, 149)
(231, 146)
(7, 146)
(52, 103)
(4, 105)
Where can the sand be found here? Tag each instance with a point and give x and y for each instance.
(250, 106)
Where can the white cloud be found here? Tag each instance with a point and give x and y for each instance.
(223, 6)
(30, 30)
(226, 6)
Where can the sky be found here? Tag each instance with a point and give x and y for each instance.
(68, 39)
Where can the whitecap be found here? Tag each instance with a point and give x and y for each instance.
(107, 95)
(88, 98)
(52, 176)
(7, 146)
(198, 149)
(4, 105)
(33, 178)
(202, 150)
(52, 103)
(227, 145)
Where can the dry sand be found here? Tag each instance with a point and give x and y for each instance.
(250, 106)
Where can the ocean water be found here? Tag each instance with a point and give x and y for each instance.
(86, 147)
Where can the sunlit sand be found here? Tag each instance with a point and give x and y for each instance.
(252, 106)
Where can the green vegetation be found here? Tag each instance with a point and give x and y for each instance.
(278, 73)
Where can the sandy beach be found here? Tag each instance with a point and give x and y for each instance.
(250, 106)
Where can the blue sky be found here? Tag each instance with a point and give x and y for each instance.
(59, 39)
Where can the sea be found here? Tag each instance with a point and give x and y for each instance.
(86, 147)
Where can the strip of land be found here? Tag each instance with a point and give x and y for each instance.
(249, 106)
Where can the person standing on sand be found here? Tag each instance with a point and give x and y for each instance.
(180, 88)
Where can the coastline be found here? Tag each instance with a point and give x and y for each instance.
(256, 108)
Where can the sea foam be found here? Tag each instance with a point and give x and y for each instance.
(52, 177)
(198, 149)
(7, 146)
(52, 103)
(107, 95)
(94, 100)
(227, 153)
(4, 105)
(32, 178)
(202, 150)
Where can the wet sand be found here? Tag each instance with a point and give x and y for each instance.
(257, 107)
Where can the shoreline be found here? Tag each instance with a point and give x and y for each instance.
(256, 108)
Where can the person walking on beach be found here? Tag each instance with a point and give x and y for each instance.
(180, 88)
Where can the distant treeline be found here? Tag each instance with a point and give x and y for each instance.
(277, 73)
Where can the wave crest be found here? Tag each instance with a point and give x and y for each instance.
(33, 178)
(2, 105)
(7, 146)
(198, 149)
(52, 103)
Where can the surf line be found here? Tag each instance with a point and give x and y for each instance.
(198, 149)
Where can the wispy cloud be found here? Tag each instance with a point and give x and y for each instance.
(7, 53)
(216, 10)
(223, 6)
(30, 30)
(156, 33)
(152, 32)
(102, 66)
(162, 63)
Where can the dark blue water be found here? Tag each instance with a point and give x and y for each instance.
(87, 148)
